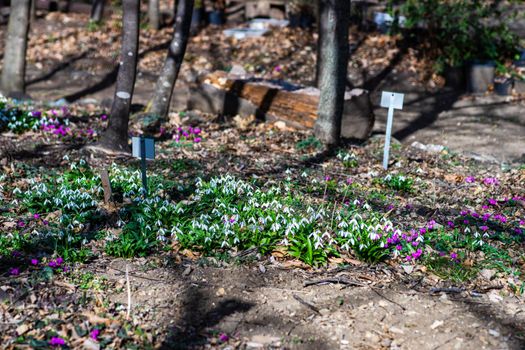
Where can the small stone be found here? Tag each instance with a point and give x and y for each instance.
(220, 292)
(187, 271)
(253, 345)
(90, 344)
(386, 342)
(488, 273)
(436, 324)
(408, 268)
(324, 312)
(262, 268)
(20, 330)
(494, 333)
(396, 330)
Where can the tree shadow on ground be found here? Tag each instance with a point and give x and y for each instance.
(444, 100)
(111, 76)
(196, 317)
(61, 66)
(489, 313)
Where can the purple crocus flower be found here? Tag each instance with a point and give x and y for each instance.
(57, 341)
(223, 337)
(470, 179)
(94, 334)
(103, 117)
(14, 271)
(34, 262)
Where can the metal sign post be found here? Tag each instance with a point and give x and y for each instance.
(143, 148)
(390, 100)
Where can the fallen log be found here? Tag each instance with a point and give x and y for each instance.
(230, 95)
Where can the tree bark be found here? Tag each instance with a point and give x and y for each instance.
(154, 14)
(97, 10)
(13, 73)
(116, 135)
(170, 71)
(32, 12)
(334, 23)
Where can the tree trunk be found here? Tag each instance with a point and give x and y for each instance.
(319, 57)
(153, 14)
(116, 135)
(334, 48)
(170, 71)
(32, 16)
(13, 73)
(97, 10)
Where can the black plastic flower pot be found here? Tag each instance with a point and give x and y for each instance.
(455, 77)
(503, 87)
(216, 17)
(295, 20)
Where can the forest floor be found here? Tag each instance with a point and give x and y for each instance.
(463, 292)
(71, 61)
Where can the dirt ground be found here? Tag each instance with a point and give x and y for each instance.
(263, 306)
(487, 125)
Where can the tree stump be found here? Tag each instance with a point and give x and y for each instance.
(229, 95)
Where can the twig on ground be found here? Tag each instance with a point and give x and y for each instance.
(305, 303)
(334, 280)
(451, 290)
(486, 289)
(129, 292)
(387, 299)
(141, 277)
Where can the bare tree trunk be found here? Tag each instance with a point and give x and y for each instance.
(66, 7)
(116, 135)
(334, 23)
(153, 14)
(13, 73)
(170, 71)
(319, 57)
(32, 17)
(97, 10)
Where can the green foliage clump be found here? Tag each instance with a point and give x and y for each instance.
(348, 159)
(456, 32)
(399, 182)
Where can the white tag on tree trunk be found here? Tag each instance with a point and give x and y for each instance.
(390, 100)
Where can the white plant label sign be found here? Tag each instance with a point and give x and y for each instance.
(390, 100)
(149, 148)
